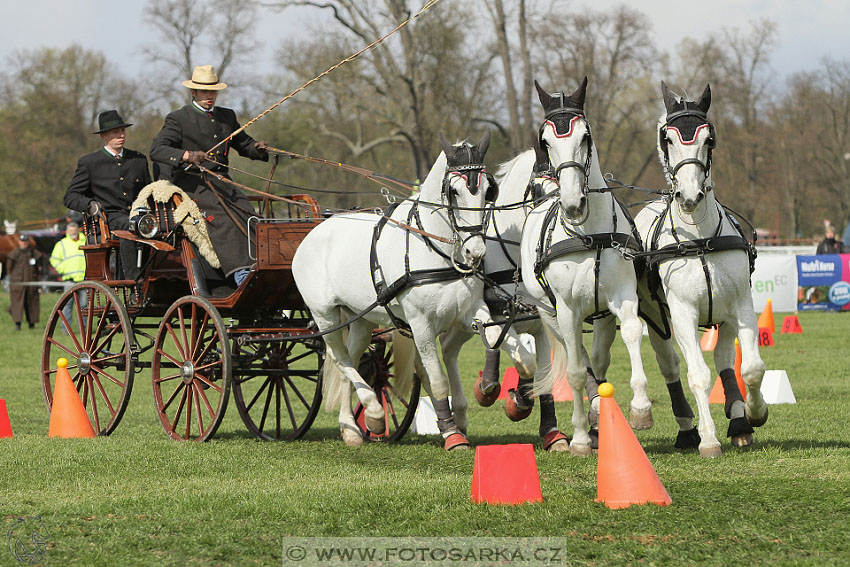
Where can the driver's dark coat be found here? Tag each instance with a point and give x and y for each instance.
(191, 129)
(114, 183)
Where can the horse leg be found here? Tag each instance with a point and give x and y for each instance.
(569, 324)
(426, 344)
(686, 331)
(554, 440)
(604, 332)
(450, 343)
(668, 363)
(631, 331)
(740, 431)
(752, 366)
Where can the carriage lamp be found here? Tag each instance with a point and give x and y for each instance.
(143, 223)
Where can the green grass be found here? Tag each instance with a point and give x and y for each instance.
(137, 498)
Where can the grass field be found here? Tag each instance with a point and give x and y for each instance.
(137, 498)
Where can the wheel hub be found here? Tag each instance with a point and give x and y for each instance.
(187, 371)
(84, 362)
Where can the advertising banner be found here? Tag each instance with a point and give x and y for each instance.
(775, 278)
(823, 282)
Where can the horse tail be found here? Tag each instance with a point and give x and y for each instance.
(556, 369)
(404, 357)
(334, 381)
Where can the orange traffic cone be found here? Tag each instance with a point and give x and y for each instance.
(766, 317)
(5, 425)
(791, 324)
(624, 475)
(505, 474)
(717, 395)
(68, 417)
(709, 339)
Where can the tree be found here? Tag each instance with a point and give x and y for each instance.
(50, 106)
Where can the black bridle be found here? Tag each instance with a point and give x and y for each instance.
(702, 119)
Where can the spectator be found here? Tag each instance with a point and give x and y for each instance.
(24, 265)
(70, 263)
(829, 245)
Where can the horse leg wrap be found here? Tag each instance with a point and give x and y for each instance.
(681, 407)
(445, 418)
(738, 426)
(733, 394)
(524, 398)
(490, 374)
(548, 421)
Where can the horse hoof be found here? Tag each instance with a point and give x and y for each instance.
(740, 441)
(711, 452)
(377, 426)
(580, 450)
(486, 394)
(556, 442)
(351, 437)
(516, 412)
(456, 441)
(689, 439)
(760, 421)
(640, 419)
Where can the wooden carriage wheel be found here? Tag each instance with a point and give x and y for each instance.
(277, 386)
(376, 367)
(98, 341)
(191, 370)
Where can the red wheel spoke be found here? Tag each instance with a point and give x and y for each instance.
(213, 340)
(206, 381)
(172, 396)
(79, 313)
(278, 388)
(179, 410)
(100, 324)
(114, 380)
(63, 347)
(106, 340)
(169, 357)
(85, 393)
(189, 415)
(399, 398)
(93, 405)
(71, 333)
(176, 340)
(96, 380)
(210, 365)
(198, 415)
(390, 411)
(183, 328)
(196, 341)
(90, 309)
(110, 357)
(166, 379)
(206, 402)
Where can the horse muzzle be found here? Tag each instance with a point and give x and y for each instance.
(689, 204)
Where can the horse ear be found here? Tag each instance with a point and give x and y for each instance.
(484, 144)
(578, 96)
(668, 97)
(545, 98)
(704, 101)
(448, 149)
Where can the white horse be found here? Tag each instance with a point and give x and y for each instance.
(409, 267)
(519, 187)
(575, 256)
(700, 268)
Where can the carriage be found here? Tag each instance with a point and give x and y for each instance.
(257, 339)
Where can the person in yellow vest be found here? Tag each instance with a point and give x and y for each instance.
(70, 263)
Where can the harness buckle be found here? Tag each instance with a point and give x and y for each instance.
(386, 193)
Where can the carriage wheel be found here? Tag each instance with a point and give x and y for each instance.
(98, 341)
(191, 370)
(376, 367)
(277, 387)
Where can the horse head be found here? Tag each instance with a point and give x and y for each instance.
(565, 138)
(466, 189)
(686, 139)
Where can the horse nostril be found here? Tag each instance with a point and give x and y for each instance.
(678, 195)
(582, 202)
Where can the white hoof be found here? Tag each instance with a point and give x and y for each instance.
(744, 440)
(580, 450)
(560, 446)
(640, 419)
(351, 437)
(710, 452)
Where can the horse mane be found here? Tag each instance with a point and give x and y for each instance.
(662, 120)
(434, 179)
(515, 174)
